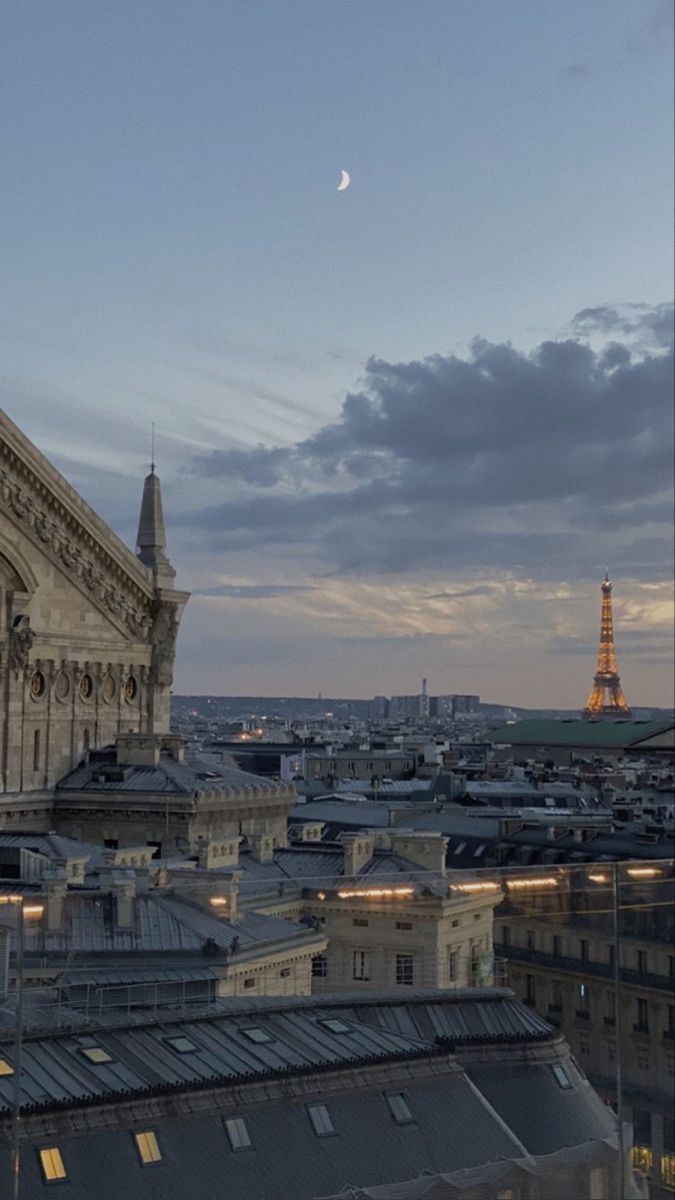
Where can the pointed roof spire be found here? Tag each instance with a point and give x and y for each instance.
(151, 539)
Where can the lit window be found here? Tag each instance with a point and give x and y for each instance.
(335, 1025)
(320, 1118)
(561, 1077)
(96, 1054)
(398, 1106)
(237, 1133)
(51, 1162)
(180, 1044)
(255, 1034)
(5, 1067)
(148, 1148)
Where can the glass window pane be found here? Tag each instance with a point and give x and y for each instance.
(320, 1118)
(237, 1133)
(148, 1148)
(398, 1105)
(52, 1165)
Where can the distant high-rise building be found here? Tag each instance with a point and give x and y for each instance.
(607, 698)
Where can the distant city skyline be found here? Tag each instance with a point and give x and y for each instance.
(403, 429)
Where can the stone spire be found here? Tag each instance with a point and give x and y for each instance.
(151, 538)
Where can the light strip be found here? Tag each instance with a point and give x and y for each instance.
(475, 887)
(643, 872)
(377, 893)
(545, 881)
(599, 878)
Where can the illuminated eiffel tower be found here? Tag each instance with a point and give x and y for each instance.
(606, 698)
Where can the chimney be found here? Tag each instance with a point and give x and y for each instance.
(425, 849)
(309, 831)
(224, 899)
(358, 850)
(262, 847)
(55, 893)
(124, 892)
(213, 854)
(138, 749)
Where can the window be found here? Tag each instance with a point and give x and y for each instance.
(404, 924)
(404, 969)
(457, 922)
(320, 1118)
(359, 921)
(477, 916)
(506, 935)
(670, 1022)
(398, 1106)
(642, 1140)
(530, 989)
(583, 950)
(360, 965)
(334, 1025)
(52, 1165)
(319, 967)
(610, 1016)
(480, 850)
(642, 961)
(599, 1183)
(111, 843)
(96, 1054)
(642, 1023)
(611, 951)
(530, 940)
(5, 1067)
(249, 983)
(561, 1077)
(458, 849)
(255, 1034)
(284, 973)
(36, 750)
(556, 994)
(557, 945)
(180, 1044)
(236, 1130)
(148, 1148)
(453, 966)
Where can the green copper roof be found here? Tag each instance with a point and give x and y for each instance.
(610, 734)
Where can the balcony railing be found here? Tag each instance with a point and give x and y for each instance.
(588, 967)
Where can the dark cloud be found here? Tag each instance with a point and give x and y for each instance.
(253, 591)
(543, 461)
(649, 327)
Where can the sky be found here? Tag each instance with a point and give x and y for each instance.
(402, 429)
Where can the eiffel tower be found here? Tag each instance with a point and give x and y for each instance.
(606, 698)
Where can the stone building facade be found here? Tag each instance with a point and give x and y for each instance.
(87, 628)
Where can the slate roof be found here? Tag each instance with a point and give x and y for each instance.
(161, 923)
(325, 868)
(461, 1114)
(592, 734)
(180, 778)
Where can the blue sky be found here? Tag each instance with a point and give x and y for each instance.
(174, 249)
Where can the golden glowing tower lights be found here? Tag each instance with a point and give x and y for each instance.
(606, 698)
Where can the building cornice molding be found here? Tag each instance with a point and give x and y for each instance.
(49, 512)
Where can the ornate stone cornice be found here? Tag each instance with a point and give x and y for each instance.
(36, 499)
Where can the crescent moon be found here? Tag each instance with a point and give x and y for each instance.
(345, 180)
